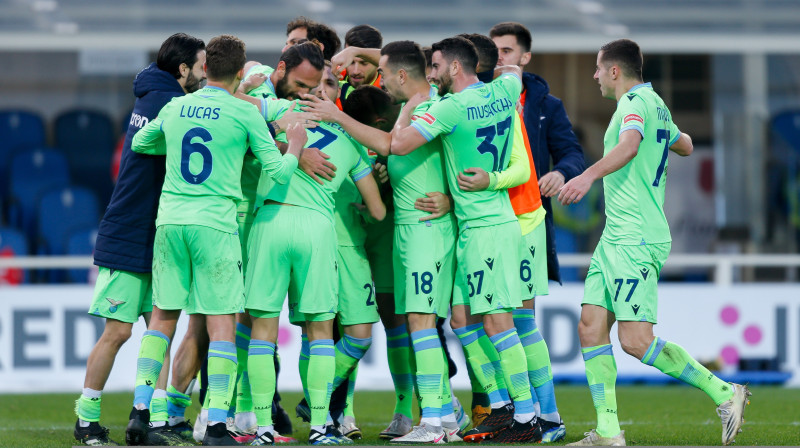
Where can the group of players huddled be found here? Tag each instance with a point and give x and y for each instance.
(380, 182)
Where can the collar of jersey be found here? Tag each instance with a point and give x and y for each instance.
(638, 86)
(474, 86)
(217, 88)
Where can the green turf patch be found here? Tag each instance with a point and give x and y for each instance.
(650, 415)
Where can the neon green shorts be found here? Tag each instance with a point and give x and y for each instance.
(122, 295)
(424, 261)
(245, 221)
(533, 267)
(356, 291)
(197, 269)
(379, 253)
(291, 246)
(488, 264)
(624, 280)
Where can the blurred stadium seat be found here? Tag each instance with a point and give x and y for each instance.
(81, 242)
(87, 137)
(31, 174)
(19, 130)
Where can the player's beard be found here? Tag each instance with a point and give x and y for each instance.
(192, 84)
(282, 89)
(444, 84)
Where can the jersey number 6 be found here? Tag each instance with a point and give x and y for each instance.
(188, 148)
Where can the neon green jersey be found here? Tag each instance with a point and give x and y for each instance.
(265, 90)
(634, 194)
(251, 170)
(205, 136)
(475, 128)
(303, 191)
(350, 229)
(418, 173)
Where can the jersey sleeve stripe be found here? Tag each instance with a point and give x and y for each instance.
(361, 174)
(428, 136)
(264, 109)
(675, 139)
(637, 127)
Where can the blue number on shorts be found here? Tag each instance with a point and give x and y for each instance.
(370, 291)
(662, 134)
(630, 281)
(488, 133)
(525, 273)
(188, 148)
(472, 289)
(426, 285)
(327, 138)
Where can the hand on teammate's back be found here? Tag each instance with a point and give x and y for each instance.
(315, 163)
(436, 203)
(251, 82)
(473, 179)
(551, 183)
(322, 108)
(380, 173)
(297, 137)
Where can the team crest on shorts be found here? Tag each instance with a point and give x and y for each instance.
(114, 304)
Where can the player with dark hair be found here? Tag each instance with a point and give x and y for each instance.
(124, 247)
(489, 242)
(634, 247)
(198, 262)
(302, 29)
(360, 72)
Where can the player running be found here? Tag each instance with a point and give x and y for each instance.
(622, 281)
(197, 263)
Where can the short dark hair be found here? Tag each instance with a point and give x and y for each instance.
(180, 48)
(487, 50)
(517, 29)
(458, 49)
(225, 55)
(367, 103)
(363, 36)
(326, 36)
(627, 54)
(407, 55)
(307, 51)
(298, 22)
(428, 54)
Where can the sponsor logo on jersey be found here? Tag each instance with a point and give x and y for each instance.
(632, 117)
(644, 272)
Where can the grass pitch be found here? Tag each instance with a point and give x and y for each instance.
(650, 415)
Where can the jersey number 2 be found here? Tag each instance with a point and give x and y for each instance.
(488, 134)
(188, 148)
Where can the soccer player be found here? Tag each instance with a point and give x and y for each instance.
(621, 284)
(423, 247)
(479, 116)
(550, 138)
(293, 240)
(124, 248)
(197, 263)
(360, 72)
(304, 28)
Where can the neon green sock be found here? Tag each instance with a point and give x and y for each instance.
(515, 371)
(177, 402)
(351, 391)
(601, 373)
(158, 406)
(221, 379)
(87, 406)
(261, 360)
(673, 360)
(244, 401)
(479, 397)
(349, 351)
(399, 353)
(484, 361)
(321, 363)
(148, 366)
(430, 362)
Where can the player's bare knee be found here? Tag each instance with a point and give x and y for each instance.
(116, 333)
(634, 344)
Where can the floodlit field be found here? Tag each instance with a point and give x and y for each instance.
(650, 415)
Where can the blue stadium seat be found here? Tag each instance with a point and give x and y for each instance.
(19, 129)
(81, 242)
(32, 173)
(87, 137)
(62, 212)
(12, 243)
